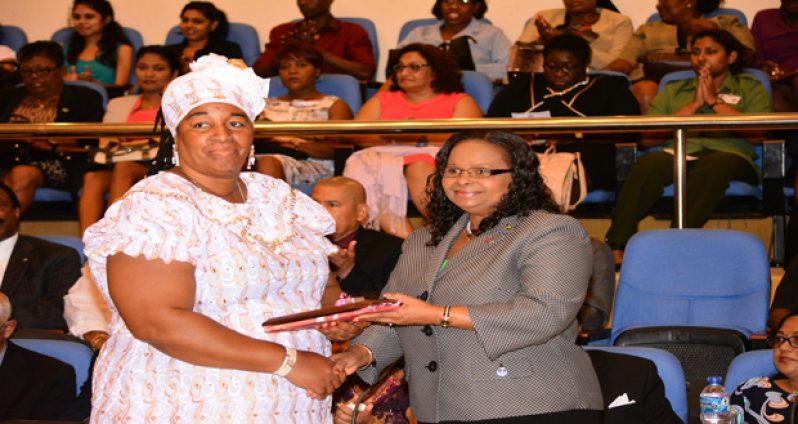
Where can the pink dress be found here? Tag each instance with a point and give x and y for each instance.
(266, 257)
(395, 106)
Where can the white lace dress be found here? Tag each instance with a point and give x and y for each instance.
(266, 257)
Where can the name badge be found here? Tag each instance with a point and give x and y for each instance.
(731, 99)
(531, 115)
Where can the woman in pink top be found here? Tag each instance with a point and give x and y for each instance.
(427, 86)
(156, 66)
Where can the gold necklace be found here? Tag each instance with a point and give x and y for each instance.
(203, 188)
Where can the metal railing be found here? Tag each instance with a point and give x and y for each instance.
(680, 125)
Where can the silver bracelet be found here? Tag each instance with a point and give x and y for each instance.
(288, 362)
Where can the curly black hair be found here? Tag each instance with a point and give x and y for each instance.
(527, 191)
(113, 35)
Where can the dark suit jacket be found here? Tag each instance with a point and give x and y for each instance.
(376, 254)
(34, 386)
(638, 378)
(38, 275)
(77, 104)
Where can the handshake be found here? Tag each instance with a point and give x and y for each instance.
(319, 375)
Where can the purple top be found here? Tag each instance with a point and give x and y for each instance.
(775, 40)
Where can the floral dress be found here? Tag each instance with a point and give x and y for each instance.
(760, 401)
(262, 258)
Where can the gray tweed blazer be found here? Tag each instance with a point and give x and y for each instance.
(523, 282)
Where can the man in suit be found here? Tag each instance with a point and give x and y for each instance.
(32, 386)
(36, 274)
(632, 389)
(366, 257)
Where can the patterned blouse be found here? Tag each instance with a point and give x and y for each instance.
(761, 401)
(262, 258)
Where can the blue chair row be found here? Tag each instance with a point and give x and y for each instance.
(246, 36)
(65, 349)
(13, 37)
(719, 11)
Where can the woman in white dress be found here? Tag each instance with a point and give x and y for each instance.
(193, 260)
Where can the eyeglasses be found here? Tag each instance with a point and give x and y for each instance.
(463, 2)
(476, 173)
(776, 341)
(413, 67)
(568, 68)
(37, 71)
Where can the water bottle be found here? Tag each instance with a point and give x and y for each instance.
(714, 403)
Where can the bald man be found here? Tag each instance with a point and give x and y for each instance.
(32, 386)
(366, 257)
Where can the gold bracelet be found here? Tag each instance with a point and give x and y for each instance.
(288, 362)
(445, 320)
(371, 357)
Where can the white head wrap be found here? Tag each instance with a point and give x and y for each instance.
(214, 80)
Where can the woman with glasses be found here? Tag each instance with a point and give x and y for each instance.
(427, 85)
(462, 20)
(772, 399)
(490, 290)
(44, 97)
(98, 50)
(597, 21)
(204, 28)
(566, 89)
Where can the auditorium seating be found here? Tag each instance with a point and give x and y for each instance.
(415, 23)
(13, 37)
(480, 87)
(64, 348)
(700, 294)
(757, 363)
(68, 241)
(668, 368)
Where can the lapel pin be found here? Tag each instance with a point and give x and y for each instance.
(489, 239)
(24, 259)
(508, 227)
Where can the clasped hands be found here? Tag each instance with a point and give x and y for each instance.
(336, 368)
(705, 93)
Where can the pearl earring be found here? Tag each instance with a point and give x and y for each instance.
(175, 156)
(251, 162)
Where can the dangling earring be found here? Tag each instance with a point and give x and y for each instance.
(251, 162)
(175, 156)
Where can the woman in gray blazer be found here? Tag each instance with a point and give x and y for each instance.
(490, 290)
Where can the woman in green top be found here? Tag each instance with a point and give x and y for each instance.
(98, 50)
(714, 159)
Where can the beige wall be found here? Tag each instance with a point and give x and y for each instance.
(40, 18)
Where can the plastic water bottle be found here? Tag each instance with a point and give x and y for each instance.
(714, 403)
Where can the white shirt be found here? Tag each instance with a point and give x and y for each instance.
(3, 352)
(84, 307)
(6, 247)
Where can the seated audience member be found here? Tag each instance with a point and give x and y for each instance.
(427, 86)
(45, 98)
(86, 312)
(345, 46)
(36, 273)
(597, 21)
(776, 35)
(156, 66)
(785, 300)
(566, 89)
(632, 389)
(204, 28)
(385, 401)
(667, 41)
(300, 65)
(98, 50)
(365, 257)
(460, 26)
(32, 386)
(714, 159)
(9, 68)
(771, 399)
